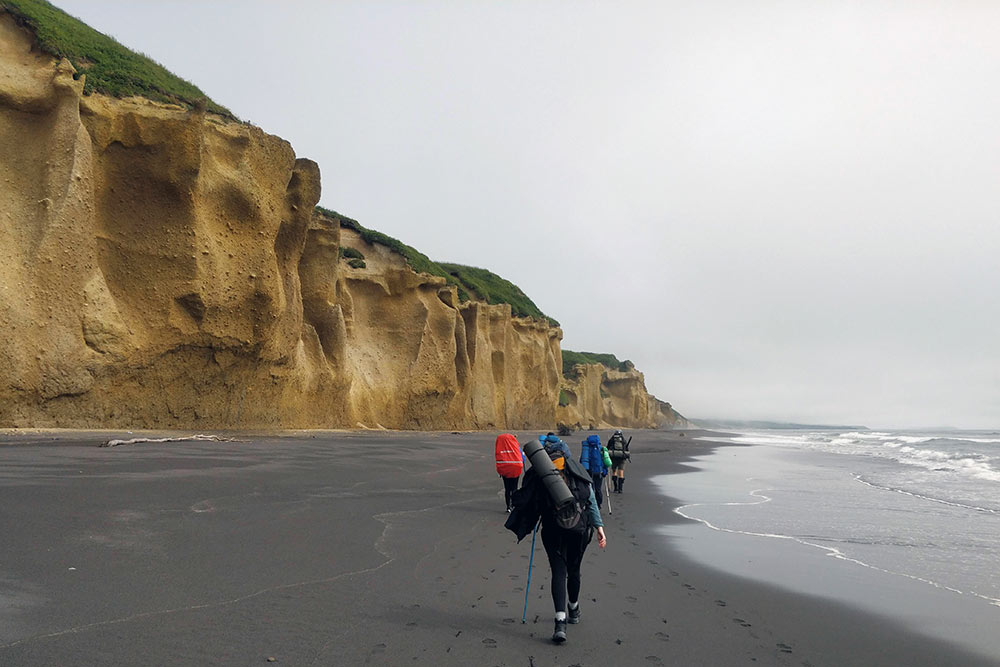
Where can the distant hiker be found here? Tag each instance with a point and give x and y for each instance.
(566, 529)
(592, 459)
(510, 464)
(552, 443)
(618, 449)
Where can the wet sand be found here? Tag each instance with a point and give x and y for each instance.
(332, 548)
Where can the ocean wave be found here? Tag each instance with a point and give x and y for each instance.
(840, 554)
(966, 455)
(933, 499)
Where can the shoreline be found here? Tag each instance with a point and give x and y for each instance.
(371, 548)
(826, 631)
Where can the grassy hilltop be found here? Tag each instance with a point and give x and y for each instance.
(472, 283)
(113, 69)
(609, 361)
(110, 68)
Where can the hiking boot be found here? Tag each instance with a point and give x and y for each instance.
(559, 635)
(574, 615)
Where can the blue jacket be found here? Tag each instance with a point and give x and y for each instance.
(590, 456)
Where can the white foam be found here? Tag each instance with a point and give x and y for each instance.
(830, 551)
(923, 497)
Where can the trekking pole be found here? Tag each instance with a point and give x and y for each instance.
(607, 494)
(527, 586)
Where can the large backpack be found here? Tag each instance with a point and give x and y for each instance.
(590, 455)
(617, 448)
(510, 461)
(573, 517)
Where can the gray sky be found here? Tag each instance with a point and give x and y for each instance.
(778, 210)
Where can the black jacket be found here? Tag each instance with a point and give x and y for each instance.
(531, 500)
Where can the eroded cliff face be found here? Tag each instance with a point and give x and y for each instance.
(419, 359)
(163, 268)
(598, 397)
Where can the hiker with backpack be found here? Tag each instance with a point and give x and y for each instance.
(558, 491)
(553, 441)
(592, 458)
(510, 463)
(618, 449)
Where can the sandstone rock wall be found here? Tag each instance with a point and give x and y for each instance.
(599, 397)
(163, 268)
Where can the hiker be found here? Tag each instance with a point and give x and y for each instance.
(552, 442)
(566, 531)
(618, 449)
(591, 457)
(510, 464)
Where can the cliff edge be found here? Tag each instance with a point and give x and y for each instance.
(164, 266)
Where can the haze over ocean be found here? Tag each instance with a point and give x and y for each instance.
(905, 524)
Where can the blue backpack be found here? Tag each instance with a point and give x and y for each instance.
(591, 457)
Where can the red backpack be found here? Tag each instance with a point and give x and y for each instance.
(508, 454)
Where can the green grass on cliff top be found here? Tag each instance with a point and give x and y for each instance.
(110, 67)
(610, 361)
(491, 288)
(472, 283)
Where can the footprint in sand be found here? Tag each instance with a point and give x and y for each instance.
(721, 603)
(501, 603)
(689, 587)
(742, 623)
(612, 584)
(784, 648)
(654, 659)
(632, 598)
(513, 576)
(411, 624)
(674, 574)
(654, 562)
(662, 636)
(508, 621)
(490, 643)
(378, 648)
(629, 613)
(613, 574)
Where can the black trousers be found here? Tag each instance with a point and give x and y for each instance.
(509, 487)
(565, 551)
(598, 481)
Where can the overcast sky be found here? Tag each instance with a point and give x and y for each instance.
(777, 210)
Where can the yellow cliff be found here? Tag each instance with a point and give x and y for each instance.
(166, 267)
(595, 396)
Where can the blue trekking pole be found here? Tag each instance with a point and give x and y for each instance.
(527, 587)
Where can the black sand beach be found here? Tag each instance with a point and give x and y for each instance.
(330, 548)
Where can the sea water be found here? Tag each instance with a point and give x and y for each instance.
(905, 524)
